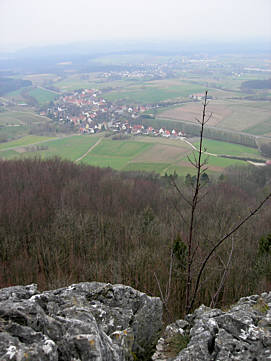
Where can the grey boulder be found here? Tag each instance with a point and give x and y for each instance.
(85, 321)
(243, 333)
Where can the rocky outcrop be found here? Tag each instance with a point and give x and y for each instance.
(104, 322)
(86, 321)
(243, 333)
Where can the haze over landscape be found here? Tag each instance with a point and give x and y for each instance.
(37, 23)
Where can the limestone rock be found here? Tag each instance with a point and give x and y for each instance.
(241, 334)
(85, 321)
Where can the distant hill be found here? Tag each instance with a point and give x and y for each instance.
(8, 84)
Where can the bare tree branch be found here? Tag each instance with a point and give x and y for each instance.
(223, 278)
(251, 214)
(181, 193)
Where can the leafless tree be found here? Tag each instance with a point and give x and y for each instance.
(193, 277)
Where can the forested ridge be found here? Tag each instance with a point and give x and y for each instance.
(62, 223)
(8, 84)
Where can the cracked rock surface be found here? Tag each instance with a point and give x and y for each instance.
(243, 333)
(85, 321)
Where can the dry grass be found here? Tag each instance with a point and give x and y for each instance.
(190, 112)
(244, 115)
(162, 153)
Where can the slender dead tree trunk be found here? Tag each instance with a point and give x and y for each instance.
(200, 166)
(193, 277)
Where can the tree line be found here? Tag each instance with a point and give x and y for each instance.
(193, 129)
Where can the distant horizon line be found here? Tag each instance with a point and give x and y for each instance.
(245, 42)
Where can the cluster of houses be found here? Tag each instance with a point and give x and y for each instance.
(136, 74)
(142, 71)
(139, 129)
(90, 113)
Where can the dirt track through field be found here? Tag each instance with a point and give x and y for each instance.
(89, 150)
(203, 151)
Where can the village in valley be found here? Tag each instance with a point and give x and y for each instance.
(89, 113)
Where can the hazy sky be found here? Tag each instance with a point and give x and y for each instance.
(42, 22)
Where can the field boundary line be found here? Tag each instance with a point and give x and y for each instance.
(35, 143)
(89, 150)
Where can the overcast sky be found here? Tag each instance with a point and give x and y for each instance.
(42, 22)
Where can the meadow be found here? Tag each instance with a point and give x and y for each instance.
(90, 81)
(214, 165)
(24, 141)
(16, 124)
(154, 92)
(149, 154)
(218, 147)
(20, 117)
(114, 153)
(70, 148)
(71, 84)
(42, 96)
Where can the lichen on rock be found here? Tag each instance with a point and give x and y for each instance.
(243, 333)
(85, 321)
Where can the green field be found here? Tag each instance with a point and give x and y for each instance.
(218, 147)
(24, 141)
(215, 165)
(42, 96)
(153, 155)
(153, 92)
(20, 117)
(101, 161)
(120, 148)
(72, 84)
(70, 148)
(222, 162)
(15, 124)
(123, 155)
(142, 96)
(115, 153)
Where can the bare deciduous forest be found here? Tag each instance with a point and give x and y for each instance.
(62, 223)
